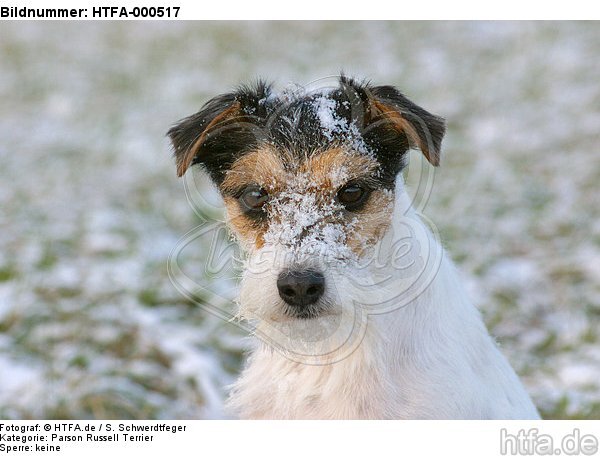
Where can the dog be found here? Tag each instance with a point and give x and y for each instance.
(358, 310)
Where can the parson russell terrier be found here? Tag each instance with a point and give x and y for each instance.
(358, 310)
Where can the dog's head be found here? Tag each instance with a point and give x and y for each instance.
(308, 180)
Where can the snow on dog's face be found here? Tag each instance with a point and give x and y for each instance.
(308, 180)
(300, 220)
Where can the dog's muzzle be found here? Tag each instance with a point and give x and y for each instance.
(301, 289)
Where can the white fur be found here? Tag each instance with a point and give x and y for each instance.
(401, 340)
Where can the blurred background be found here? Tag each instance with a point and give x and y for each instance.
(90, 208)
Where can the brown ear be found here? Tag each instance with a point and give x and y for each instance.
(419, 134)
(389, 111)
(187, 157)
(224, 127)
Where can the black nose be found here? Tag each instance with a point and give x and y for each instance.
(301, 288)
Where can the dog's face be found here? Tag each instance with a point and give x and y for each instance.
(308, 180)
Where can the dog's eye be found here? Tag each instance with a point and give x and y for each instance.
(352, 196)
(254, 198)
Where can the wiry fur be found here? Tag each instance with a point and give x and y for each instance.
(394, 334)
(429, 359)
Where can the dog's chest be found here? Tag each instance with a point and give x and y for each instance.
(273, 387)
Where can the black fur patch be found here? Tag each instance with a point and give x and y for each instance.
(294, 122)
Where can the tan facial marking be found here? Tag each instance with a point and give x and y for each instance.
(373, 221)
(333, 168)
(265, 167)
(323, 174)
(249, 233)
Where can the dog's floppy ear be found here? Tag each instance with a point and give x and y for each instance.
(222, 129)
(423, 129)
(395, 122)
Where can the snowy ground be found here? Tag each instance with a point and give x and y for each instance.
(91, 326)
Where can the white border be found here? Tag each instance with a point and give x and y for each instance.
(346, 10)
(304, 438)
